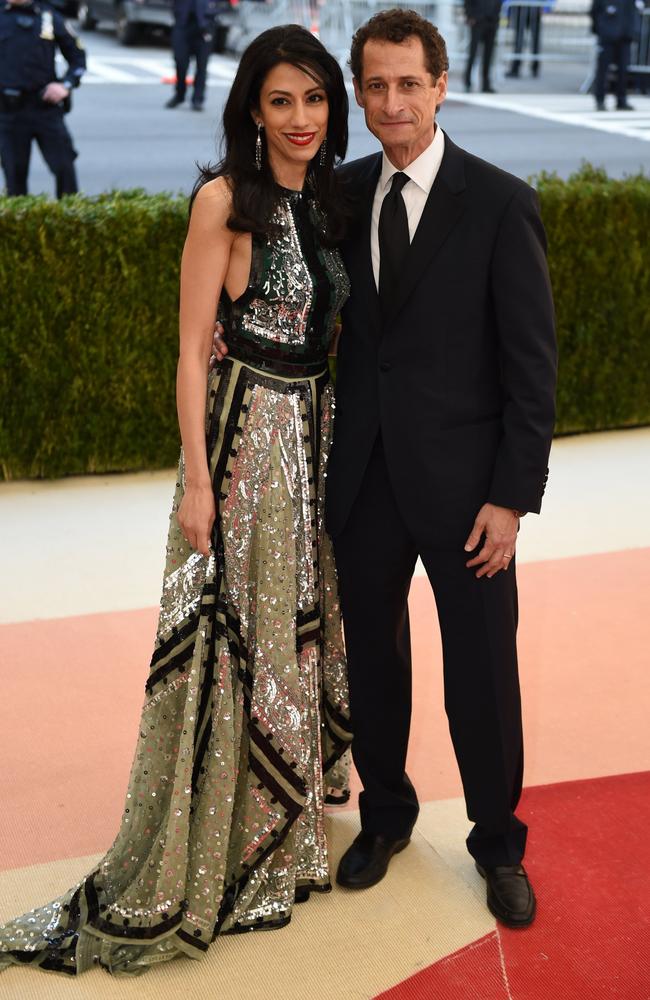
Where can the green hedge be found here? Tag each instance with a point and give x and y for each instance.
(88, 333)
(88, 321)
(599, 257)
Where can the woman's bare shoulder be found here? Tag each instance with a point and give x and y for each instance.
(218, 190)
(213, 203)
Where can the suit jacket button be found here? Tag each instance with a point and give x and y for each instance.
(384, 367)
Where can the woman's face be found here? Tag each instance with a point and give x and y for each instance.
(294, 112)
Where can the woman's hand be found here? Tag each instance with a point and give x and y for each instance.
(196, 516)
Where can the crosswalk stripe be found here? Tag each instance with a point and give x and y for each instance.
(568, 109)
(105, 73)
(159, 67)
(141, 70)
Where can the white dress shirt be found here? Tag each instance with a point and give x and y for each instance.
(422, 173)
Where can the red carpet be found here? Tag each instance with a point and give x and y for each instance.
(589, 853)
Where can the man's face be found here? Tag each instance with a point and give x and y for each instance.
(398, 95)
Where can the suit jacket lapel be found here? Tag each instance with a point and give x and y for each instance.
(444, 207)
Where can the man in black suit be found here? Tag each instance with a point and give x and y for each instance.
(445, 410)
(192, 35)
(483, 21)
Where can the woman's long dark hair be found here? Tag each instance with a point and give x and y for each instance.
(255, 193)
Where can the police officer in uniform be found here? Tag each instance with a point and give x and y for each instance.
(616, 23)
(192, 35)
(32, 100)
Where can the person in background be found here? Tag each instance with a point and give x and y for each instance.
(615, 23)
(483, 20)
(33, 101)
(526, 20)
(192, 36)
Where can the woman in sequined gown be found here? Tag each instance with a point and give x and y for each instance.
(245, 720)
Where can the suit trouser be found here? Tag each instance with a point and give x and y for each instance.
(527, 18)
(376, 556)
(483, 31)
(617, 52)
(45, 124)
(190, 40)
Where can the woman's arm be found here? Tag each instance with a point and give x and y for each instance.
(204, 266)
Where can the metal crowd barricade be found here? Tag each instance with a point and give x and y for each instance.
(255, 16)
(339, 19)
(536, 31)
(640, 57)
(531, 31)
(335, 21)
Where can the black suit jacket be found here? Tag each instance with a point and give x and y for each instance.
(615, 20)
(482, 10)
(205, 12)
(458, 375)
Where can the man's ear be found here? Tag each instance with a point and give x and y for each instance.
(441, 88)
(358, 93)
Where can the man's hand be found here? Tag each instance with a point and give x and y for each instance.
(499, 525)
(219, 346)
(55, 92)
(334, 342)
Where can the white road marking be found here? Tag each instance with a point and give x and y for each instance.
(569, 109)
(149, 71)
(106, 73)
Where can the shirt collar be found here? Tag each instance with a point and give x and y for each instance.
(423, 170)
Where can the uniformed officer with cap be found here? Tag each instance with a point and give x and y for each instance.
(32, 100)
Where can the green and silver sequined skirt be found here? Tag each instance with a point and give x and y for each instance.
(246, 720)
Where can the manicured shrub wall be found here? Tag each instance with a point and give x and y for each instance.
(88, 333)
(88, 321)
(599, 257)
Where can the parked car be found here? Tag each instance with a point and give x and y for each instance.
(67, 8)
(132, 17)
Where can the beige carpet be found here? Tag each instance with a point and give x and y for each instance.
(342, 946)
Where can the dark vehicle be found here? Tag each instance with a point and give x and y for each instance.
(132, 17)
(66, 8)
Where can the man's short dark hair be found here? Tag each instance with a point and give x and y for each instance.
(396, 26)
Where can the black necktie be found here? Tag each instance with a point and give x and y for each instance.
(393, 239)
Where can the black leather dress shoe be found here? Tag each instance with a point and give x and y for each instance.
(366, 861)
(174, 102)
(510, 896)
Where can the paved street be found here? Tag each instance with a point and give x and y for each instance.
(126, 138)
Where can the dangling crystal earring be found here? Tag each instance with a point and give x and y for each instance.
(323, 152)
(258, 146)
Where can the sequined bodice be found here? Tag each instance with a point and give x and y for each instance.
(284, 320)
